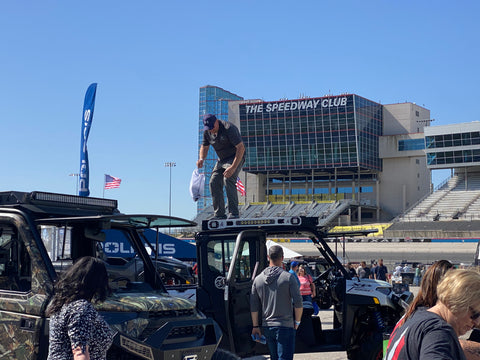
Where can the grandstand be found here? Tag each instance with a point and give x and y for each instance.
(457, 198)
(452, 211)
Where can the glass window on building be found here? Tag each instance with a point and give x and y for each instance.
(411, 144)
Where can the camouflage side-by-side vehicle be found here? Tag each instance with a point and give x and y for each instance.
(42, 234)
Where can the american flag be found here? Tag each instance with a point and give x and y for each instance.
(112, 182)
(240, 186)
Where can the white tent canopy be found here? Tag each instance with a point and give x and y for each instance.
(287, 253)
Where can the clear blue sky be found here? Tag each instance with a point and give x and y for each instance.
(149, 59)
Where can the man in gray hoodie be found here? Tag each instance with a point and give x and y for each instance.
(273, 292)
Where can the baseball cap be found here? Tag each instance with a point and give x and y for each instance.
(209, 121)
(293, 264)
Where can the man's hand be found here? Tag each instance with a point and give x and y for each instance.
(256, 331)
(229, 172)
(202, 154)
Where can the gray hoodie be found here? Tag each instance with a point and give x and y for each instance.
(273, 292)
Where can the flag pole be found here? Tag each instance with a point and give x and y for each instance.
(104, 182)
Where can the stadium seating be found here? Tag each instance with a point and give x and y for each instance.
(458, 198)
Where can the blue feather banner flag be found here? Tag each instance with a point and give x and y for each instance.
(88, 106)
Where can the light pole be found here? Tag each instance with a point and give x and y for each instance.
(170, 165)
(76, 181)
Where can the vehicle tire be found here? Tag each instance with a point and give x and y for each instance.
(222, 354)
(371, 348)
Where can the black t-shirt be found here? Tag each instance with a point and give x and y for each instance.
(224, 141)
(381, 272)
(424, 336)
(367, 271)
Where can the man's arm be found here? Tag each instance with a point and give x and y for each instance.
(255, 326)
(297, 301)
(202, 155)
(254, 310)
(240, 150)
(298, 317)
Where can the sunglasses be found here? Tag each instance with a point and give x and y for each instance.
(475, 315)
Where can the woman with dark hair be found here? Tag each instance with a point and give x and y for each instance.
(77, 331)
(427, 294)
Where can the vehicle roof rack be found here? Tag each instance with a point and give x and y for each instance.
(40, 198)
(277, 222)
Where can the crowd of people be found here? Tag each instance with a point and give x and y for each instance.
(377, 270)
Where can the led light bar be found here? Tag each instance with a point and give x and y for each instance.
(44, 197)
(253, 223)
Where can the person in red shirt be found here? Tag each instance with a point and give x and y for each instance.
(307, 287)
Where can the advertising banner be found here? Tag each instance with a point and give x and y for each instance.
(88, 106)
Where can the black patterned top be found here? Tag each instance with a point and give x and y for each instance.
(78, 324)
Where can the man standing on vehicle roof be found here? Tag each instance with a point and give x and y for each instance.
(273, 292)
(227, 142)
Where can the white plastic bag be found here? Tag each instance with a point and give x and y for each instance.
(197, 183)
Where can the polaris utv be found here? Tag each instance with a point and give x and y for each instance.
(231, 253)
(42, 234)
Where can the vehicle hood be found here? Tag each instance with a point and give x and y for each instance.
(140, 314)
(140, 302)
(365, 286)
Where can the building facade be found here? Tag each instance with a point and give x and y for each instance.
(453, 146)
(311, 134)
(405, 178)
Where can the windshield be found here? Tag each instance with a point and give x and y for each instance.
(129, 267)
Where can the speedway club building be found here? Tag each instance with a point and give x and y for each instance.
(327, 149)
